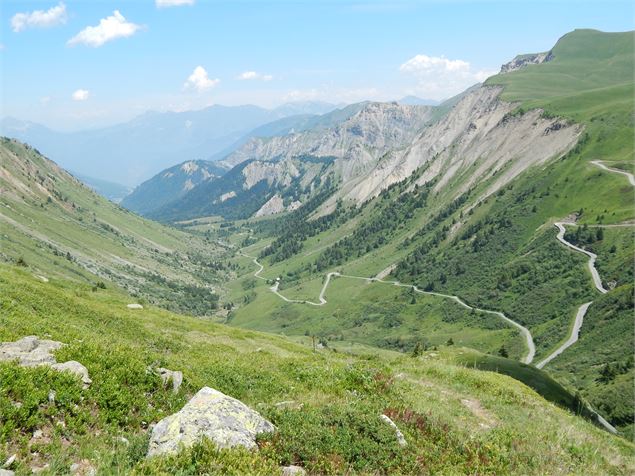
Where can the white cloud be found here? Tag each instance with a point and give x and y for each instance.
(80, 95)
(199, 80)
(109, 28)
(39, 18)
(172, 3)
(45, 100)
(440, 77)
(248, 75)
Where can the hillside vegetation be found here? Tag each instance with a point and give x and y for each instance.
(461, 419)
(54, 226)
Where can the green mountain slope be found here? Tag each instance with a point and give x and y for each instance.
(462, 419)
(57, 227)
(497, 251)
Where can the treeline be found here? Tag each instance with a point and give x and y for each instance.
(583, 235)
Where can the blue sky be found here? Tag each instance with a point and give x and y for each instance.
(61, 68)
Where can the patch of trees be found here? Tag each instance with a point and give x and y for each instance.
(393, 211)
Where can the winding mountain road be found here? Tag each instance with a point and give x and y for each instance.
(531, 348)
(597, 281)
(631, 177)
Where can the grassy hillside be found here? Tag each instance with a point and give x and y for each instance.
(56, 227)
(461, 419)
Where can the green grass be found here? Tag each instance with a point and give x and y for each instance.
(376, 314)
(336, 430)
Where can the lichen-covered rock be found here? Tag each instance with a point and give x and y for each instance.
(75, 368)
(209, 414)
(174, 376)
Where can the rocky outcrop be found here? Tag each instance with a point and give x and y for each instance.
(31, 351)
(481, 138)
(362, 138)
(521, 61)
(274, 205)
(293, 470)
(209, 414)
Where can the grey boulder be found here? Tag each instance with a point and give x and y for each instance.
(31, 351)
(76, 368)
(209, 414)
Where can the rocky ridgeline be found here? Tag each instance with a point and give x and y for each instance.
(521, 61)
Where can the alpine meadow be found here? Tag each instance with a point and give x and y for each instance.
(298, 238)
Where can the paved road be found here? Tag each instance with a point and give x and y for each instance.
(597, 281)
(631, 177)
(573, 338)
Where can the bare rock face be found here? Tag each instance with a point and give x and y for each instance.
(274, 205)
(521, 61)
(31, 351)
(174, 376)
(209, 414)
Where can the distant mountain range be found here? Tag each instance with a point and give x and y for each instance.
(138, 149)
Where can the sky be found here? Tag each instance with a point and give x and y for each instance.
(72, 65)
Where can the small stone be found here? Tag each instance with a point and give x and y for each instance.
(75, 368)
(400, 438)
(134, 306)
(168, 375)
(124, 440)
(9, 461)
(38, 434)
(293, 470)
(52, 397)
(39, 469)
(291, 404)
